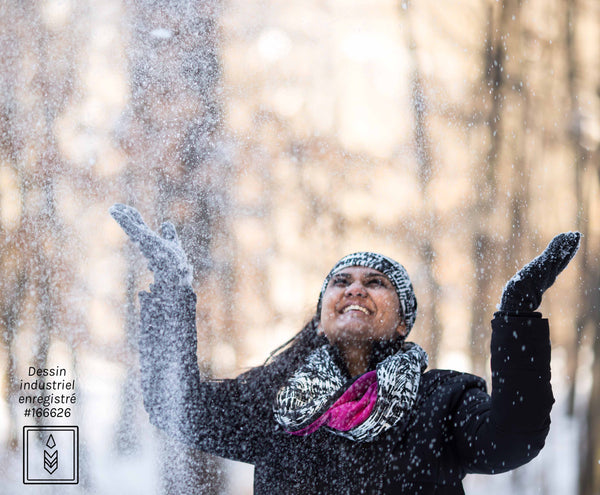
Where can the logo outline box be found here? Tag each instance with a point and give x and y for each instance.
(74, 480)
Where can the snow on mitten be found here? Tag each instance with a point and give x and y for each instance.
(523, 292)
(166, 258)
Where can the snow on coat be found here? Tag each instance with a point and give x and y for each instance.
(456, 427)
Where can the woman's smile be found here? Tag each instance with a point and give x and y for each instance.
(356, 307)
(360, 304)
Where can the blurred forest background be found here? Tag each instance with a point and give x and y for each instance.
(457, 137)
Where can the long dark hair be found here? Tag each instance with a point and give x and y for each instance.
(284, 360)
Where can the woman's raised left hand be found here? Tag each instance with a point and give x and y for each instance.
(523, 293)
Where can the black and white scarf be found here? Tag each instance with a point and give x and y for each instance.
(320, 382)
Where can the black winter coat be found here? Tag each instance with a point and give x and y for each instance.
(456, 427)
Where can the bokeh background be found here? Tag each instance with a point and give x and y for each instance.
(457, 137)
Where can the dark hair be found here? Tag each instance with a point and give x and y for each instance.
(284, 360)
(288, 357)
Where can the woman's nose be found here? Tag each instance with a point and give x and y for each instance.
(356, 289)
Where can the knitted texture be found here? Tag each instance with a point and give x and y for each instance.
(303, 404)
(166, 258)
(523, 293)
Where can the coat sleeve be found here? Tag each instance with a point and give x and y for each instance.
(509, 429)
(221, 417)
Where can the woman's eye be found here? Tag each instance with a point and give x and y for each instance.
(376, 282)
(340, 281)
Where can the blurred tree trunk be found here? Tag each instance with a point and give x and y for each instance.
(587, 320)
(178, 171)
(11, 311)
(425, 169)
(586, 167)
(127, 429)
(581, 157)
(38, 76)
(47, 237)
(13, 278)
(502, 184)
(485, 177)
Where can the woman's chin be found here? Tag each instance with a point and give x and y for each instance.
(352, 334)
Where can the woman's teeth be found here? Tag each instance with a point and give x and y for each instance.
(355, 307)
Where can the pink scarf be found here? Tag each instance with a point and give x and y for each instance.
(351, 409)
(317, 395)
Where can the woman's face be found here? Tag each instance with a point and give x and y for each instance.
(360, 305)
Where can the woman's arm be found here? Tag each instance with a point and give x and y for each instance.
(509, 429)
(227, 417)
(500, 433)
(224, 417)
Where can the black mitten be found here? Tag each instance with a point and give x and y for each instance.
(523, 292)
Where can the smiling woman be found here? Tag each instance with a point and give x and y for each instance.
(347, 407)
(360, 305)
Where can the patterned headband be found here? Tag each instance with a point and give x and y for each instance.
(393, 270)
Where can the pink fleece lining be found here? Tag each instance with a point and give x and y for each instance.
(351, 409)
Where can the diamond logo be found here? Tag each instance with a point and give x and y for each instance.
(50, 457)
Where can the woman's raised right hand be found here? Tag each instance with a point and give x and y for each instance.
(166, 258)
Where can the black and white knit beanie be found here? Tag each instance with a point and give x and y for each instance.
(393, 270)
